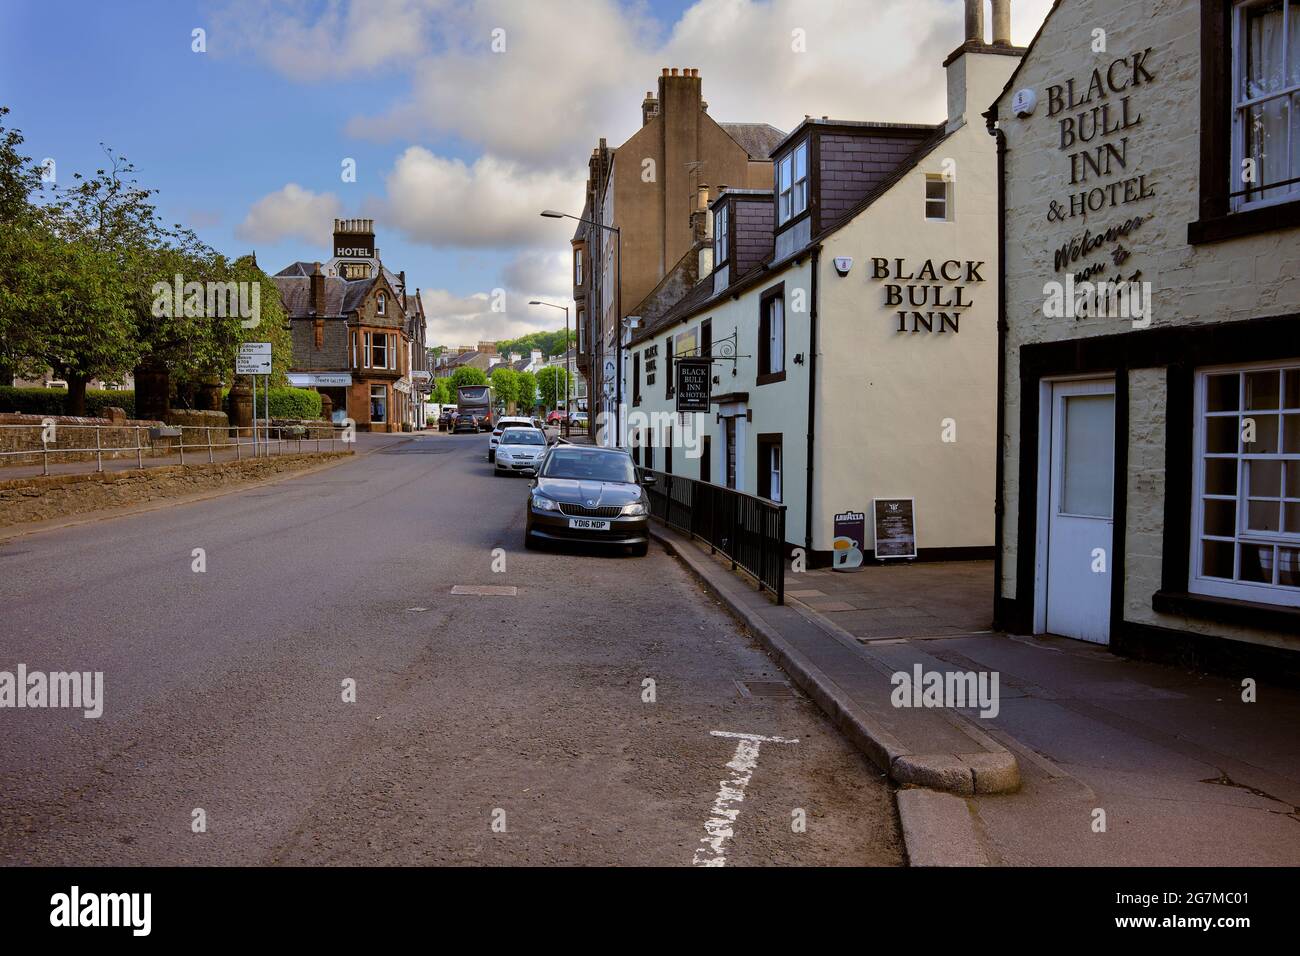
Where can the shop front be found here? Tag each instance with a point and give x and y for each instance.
(1149, 379)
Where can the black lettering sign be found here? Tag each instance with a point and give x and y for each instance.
(694, 376)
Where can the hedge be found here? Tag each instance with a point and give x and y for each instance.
(291, 402)
(53, 401)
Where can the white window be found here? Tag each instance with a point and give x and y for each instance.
(774, 465)
(1266, 102)
(392, 351)
(772, 353)
(577, 267)
(720, 236)
(792, 183)
(936, 199)
(365, 350)
(1246, 501)
(380, 302)
(378, 349)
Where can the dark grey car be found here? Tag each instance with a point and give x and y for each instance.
(589, 495)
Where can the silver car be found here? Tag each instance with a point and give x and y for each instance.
(520, 450)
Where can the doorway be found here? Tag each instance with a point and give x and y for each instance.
(1076, 512)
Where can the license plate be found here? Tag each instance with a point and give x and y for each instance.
(589, 524)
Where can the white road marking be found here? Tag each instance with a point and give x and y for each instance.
(485, 590)
(755, 737)
(731, 793)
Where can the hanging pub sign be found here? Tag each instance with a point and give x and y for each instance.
(693, 379)
(895, 523)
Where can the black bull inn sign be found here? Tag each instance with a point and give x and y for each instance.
(937, 286)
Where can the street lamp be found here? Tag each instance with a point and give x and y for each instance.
(552, 305)
(618, 313)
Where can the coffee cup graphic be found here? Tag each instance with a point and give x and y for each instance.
(845, 553)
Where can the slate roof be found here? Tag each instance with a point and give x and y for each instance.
(757, 139)
(341, 296)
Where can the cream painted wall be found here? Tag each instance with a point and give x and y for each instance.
(1191, 285)
(885, 397)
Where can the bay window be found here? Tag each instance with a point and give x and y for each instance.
(792, 183)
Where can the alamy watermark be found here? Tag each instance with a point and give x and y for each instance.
(78, 690)
(1100, 300)
(214, 300)
(955, 689)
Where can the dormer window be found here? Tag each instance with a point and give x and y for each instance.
(721, 236)
(380, 302)
(792, 184)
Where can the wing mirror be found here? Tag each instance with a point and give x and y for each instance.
(647, 479)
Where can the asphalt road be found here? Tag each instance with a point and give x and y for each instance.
(486, 729)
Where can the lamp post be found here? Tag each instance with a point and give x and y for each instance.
(566, 355)
(618, 314)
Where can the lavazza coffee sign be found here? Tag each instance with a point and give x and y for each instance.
(1109, 199)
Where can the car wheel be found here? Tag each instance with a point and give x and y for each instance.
(529, 541)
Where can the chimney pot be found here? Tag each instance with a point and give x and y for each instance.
(975, 21)
(1002, 22)
(665, 73)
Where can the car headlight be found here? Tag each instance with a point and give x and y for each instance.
(503, 454)
(544, 504)
(633, 510)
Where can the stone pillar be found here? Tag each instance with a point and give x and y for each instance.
(241, 408)
(152, 393)
(326, 407)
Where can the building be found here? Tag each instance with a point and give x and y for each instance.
(850, 317)
(649, 188)
(1149, 476)
(577, 384)
(357, 333)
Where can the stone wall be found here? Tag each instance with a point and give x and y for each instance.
(58, 496)
(70, 431)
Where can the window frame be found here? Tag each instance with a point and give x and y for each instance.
(770, 446)
(796, 188)
(930, 179)
(766, 373)
(577, 267)
(1235, 589)
(1290, 94)
(721, 236)
(381, 304)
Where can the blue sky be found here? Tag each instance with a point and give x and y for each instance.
(457, 146)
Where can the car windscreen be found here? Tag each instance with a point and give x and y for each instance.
(522, 436)
(589, 465)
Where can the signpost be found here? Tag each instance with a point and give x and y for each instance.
(694, 378)
(254, 359)
(895, 522)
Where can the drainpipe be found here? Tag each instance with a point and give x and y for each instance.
(812, 404)
(999, 506)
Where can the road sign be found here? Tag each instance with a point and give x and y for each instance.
(255, 348)
(253, 358)
(694, 376)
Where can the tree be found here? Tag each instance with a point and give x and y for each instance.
(467, 375)
(505, 382)
(527, 399)
(551, 381)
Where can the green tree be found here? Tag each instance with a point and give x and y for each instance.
(527, 393)
(505, 382)
(551, 382)
(467, 375)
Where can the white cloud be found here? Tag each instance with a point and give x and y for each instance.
(467, 320)
(575, 71)
(311, 42)
(444, 202)
(290, 212)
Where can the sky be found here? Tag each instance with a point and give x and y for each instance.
(463, 118)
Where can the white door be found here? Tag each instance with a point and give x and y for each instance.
(1080, 512)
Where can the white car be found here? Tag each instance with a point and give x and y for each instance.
(504, 422)
(520, 450)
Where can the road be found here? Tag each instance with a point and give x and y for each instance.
(486, 729)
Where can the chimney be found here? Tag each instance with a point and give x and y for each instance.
(317, 290)
(975, 21)
(649, 108)
(701, 228)
(1002, 22)
(515, 357)
(537, 356)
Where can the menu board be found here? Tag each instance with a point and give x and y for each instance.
(895, 524)
(693, 380)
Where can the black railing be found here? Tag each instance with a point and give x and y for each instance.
(747, 530)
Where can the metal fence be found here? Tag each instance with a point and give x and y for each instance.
(125, 441)
(748, 530)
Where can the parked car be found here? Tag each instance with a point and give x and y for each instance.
(521, 450)
(464, 423)
(556, 417)
(580, 419)
(507, 421)
(584, 493)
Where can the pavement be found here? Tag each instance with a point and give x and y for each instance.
(511, 706)
(1116, 762)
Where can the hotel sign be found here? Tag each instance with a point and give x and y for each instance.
(354, 247)
(694, 377)
(895, 521)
